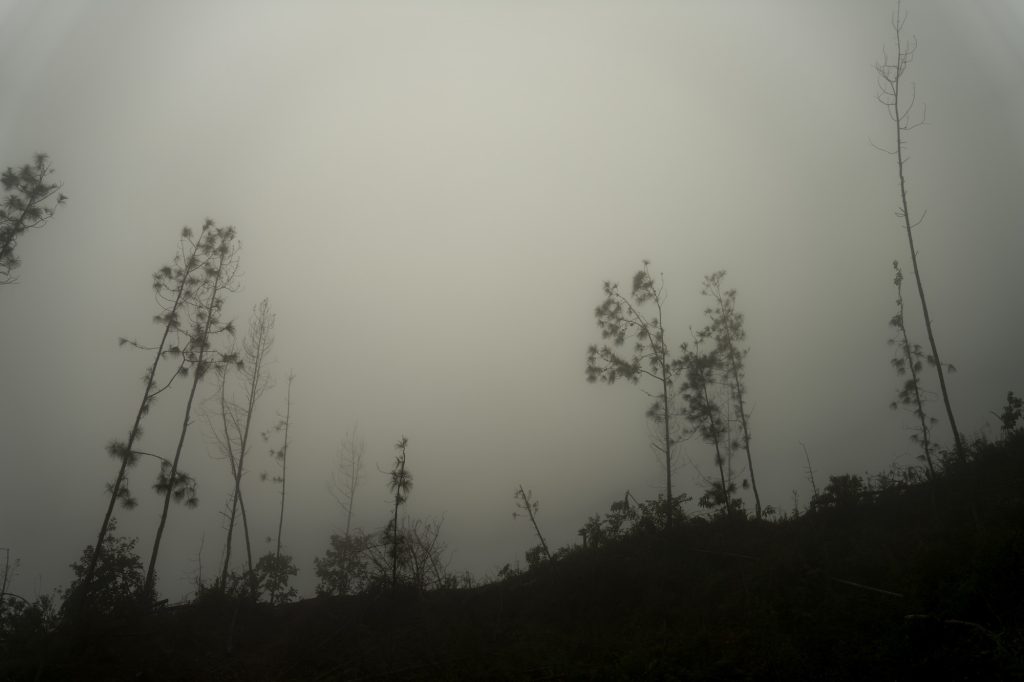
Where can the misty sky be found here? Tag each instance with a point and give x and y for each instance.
(431, 194)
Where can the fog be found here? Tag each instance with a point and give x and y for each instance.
(431, 195)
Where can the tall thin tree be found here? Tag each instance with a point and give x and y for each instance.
(207, 304)
(280, 456)
(26, 205)
(899, 102)
(701, 408)
(400, 484)
(620, 318)
(729, 334)
(174, 286)
(908, 360)
(524, 500)
(345, 479)
(236, 418)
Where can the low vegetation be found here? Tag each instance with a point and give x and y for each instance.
(893, 576)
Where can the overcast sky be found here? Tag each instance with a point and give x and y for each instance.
(431, 194)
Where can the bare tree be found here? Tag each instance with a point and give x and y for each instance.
(423, 559)
(345, 479)
(201, 355)
(236, 418)
(174, 286)
(26, 205)
(620, 318)
(809, 471)
(427, 554)
(525, 501)
(899, 101)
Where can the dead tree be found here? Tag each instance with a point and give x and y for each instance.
(236, 419)
(525, 501)
(899, 102)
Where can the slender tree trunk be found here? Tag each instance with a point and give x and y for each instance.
(810, 471)
(227, 543)
(284, 462)
(719, 460)
(348, 516)
(900, 119)
(925, 441)
(394, 534)
(234, 475)
(738, 387)
(908, 357)
(533, 520)
(255, 347)
(394, 522)
(669, 504)
(7, 569)
(927, 318)
(237, 505)
(189, 263)
(197, 376)
(243, 449)
(127, 454)
(353, 481)
(245, 532)
(666, 414)
(151, 571)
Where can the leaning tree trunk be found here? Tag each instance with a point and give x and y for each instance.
(197, 376)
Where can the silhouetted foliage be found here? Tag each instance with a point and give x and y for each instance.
(343, 569)
(219, 256)
(629, 517)
(909, 360)
(24, 628)
(26, 205)
(175, 287)
(869, 584)
(701, 408)
(118, 577)
(359, 562)
(182, 488)
(1011, 414)
(622, 318)
(844, 490)
(399, 484)
(726, 328)
(272, 573)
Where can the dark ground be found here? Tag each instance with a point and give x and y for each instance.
(912, 582)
